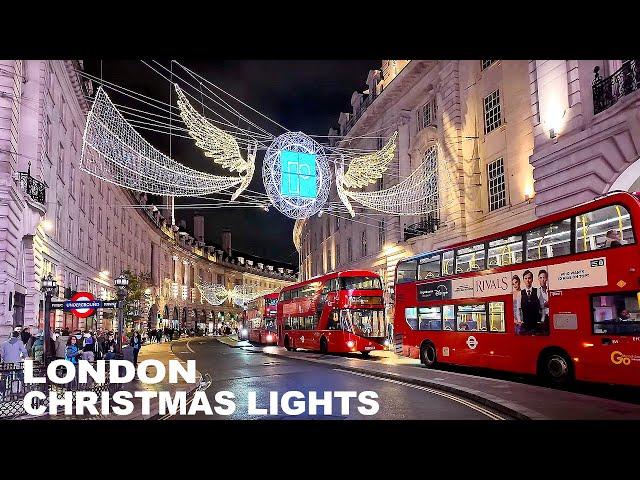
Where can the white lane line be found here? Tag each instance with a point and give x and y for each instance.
(466, 403)
(189, 348)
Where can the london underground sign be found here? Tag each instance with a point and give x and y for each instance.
(82, 304)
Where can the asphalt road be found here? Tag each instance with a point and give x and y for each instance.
(241, 372)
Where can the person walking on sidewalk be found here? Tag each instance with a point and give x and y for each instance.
(136, 343)
(159, 335)
(88, 347)
(61, 344)
(13, 350)
(72, 352)
(109, 347)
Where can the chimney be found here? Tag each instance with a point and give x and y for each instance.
(226, 241)
(198, 226)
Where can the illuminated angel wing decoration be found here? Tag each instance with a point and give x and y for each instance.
(366, 169)
(415, 195)
(297, 232)
(217, 143)
(115, 152)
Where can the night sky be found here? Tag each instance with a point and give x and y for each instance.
(301, 95)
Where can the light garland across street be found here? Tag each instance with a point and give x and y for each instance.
(217, 294)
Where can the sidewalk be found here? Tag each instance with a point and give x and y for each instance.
(164, 353)
(527, 402)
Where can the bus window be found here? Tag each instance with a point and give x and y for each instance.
(411, 317)
(549, 241)
(449, 316)
(496, 316)
(406, 271)
(447, 263)
(334, 321)
(505, 251)
(361, 283)
(429, 267)
(470, 259)
(472, 317)
(616, 314)
(603, 228)
(430, 318)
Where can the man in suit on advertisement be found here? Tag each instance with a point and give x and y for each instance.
(530, 304)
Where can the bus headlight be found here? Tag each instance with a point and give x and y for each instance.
(351, 344)
(269, 338)
(386, 343)
(244, 332)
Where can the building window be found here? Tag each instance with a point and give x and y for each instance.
(349, 250)
(91, 208)
(90, 250)
(58, 221)
(70, 235)
(82, 195)
(81, 243)
(431, 172)
(486, 63)
(61, 162)
(72, 181)
(426, 115)
(337, 223)
(49, 139)
(99, 219)
(492, 114)
(381, 234)
(337, 254)
(496, 183)
(363, 244)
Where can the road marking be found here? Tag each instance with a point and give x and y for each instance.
(189, 348)
(466, 403)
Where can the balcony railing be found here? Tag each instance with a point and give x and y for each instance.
(34, 188)
(424, 227)
(354, 118)
(607, 91)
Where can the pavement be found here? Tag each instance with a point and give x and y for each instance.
(517, 400)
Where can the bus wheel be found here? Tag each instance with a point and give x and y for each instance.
(365, 353)
(556, 368)
(324, 346)
(428, 355)
(287, 345)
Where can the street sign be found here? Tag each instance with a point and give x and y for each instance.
(82, 304)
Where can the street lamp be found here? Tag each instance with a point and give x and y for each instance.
(48, 286)
(121, 283)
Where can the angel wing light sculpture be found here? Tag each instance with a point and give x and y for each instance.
(217, 143)
(415, 195)
(115, 152)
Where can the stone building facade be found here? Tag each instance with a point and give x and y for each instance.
(56, 218)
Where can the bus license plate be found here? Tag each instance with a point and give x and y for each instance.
(369, 348)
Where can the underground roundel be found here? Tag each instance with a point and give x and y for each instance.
(296, 175)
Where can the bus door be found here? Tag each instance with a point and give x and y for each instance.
(612, 354)
(471, 343)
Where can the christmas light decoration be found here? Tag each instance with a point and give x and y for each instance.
(115, 152)
(217, 294)
(216, 143)
(297, 232)
(296, 175)
(415, 195)
(366, 169)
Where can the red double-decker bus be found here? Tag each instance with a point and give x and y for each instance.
(261, 320)
(558, 297)
(338, 312)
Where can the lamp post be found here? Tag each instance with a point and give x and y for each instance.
(121, 283)
(48, 286)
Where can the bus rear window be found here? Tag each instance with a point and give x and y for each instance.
(407, 271)
(361, 283)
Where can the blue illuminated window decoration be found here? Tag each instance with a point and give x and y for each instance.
(298, 174)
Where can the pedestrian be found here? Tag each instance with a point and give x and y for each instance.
(25, 335)
(136, 343)
(109, 347)
(13, 350)
(72, 352)
(88, 347)
(61, 344)
(159, 335)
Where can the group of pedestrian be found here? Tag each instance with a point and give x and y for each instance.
(156, 335)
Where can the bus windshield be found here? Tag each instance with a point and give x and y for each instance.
(271, 302)
(360, 283)
(366, 323)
